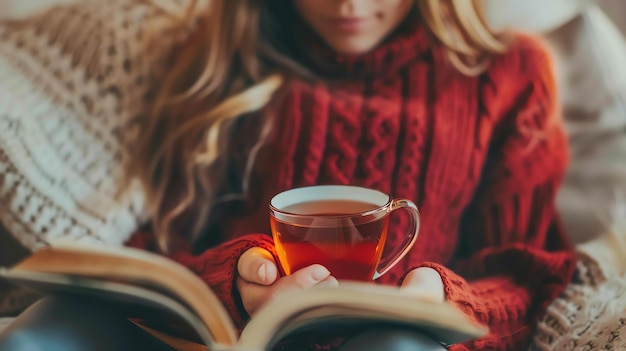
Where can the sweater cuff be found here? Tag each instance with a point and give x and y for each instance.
(456, 288)
(217, 267)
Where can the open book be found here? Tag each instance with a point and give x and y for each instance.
(150, 287)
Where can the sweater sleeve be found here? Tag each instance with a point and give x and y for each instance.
(216, 266)
(513, 258)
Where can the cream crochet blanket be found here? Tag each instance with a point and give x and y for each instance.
(591, 313)
(73, 82)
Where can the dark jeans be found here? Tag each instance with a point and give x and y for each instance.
(65, 324)
(391, 340)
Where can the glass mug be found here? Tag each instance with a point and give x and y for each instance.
(343, 228)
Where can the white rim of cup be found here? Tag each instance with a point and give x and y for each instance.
(330, 192)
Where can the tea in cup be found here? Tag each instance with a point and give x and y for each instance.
(343, 228)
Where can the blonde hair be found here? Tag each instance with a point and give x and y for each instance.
(231, 68)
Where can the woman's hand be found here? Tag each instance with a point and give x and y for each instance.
(258, 280)
(425, 283)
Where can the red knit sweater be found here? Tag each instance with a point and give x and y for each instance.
(482, 157)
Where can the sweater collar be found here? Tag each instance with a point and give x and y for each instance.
(408, 43)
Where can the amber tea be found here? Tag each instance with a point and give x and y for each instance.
(343, 228)
(349, 248)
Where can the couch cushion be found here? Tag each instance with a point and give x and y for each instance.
(592, 77)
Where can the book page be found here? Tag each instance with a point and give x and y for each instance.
(357, 302)
(126, 298)
(141, 269)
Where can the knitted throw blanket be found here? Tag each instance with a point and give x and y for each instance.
(73, 82)
(591, 313)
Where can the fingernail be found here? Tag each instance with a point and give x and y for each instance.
(319, 273)
(263, 272)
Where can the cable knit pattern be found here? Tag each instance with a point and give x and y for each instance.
(477, 154)
(482, 157)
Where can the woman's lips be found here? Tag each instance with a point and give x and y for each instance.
(350, 25)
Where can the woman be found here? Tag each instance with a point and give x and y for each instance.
(415, 98)
(418, 99)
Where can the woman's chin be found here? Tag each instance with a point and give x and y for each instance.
(353, 47)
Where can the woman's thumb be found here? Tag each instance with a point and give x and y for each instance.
(257, 265)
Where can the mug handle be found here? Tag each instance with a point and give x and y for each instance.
(386, 263)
